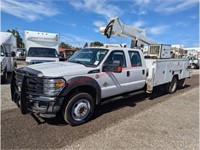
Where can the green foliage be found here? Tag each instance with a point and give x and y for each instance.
(86, 44)
(68, 46)
(20, 43)
(96, 43)
(65, 45)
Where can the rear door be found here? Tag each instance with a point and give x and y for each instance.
(137, 71)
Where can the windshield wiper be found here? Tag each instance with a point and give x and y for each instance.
(79, 62)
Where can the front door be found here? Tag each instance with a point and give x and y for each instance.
(114, 83)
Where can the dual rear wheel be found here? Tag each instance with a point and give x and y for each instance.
(174, 84)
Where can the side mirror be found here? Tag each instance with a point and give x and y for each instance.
(13, 54)
(114, 67)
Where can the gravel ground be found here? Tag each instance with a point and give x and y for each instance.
(172, 124)
(161, 121)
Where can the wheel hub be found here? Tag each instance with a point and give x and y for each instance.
(80, 110)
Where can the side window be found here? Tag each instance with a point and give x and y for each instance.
(116, 56)
(135, 58)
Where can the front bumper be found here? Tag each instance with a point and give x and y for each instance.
(27, 93)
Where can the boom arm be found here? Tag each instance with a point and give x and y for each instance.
(117, 28)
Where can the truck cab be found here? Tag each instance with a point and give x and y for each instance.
(41, 54)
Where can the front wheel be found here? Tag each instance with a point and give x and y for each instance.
(79, 109)
(172, 86)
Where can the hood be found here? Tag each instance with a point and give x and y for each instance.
(56, 69)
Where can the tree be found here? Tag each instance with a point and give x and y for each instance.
(86, 44)
(20, 43)
(96, 43)
(64, 45)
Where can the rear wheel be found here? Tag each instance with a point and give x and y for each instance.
(79, 109)
(172, 86)
(181, 83)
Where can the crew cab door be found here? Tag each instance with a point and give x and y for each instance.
(137, 71)
(113, 83)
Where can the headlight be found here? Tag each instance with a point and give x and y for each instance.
(53, 86)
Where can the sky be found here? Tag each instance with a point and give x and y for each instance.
(78, 21)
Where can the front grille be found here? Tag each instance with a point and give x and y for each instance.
(18, 79)
(27, 91)
(34, 86)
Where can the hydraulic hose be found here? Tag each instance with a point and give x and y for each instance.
(108, 29)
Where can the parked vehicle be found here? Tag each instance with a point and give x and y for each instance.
(90, 76)
(8, 43)
(65, 53)
(194, 62)
(41, 47)
(21, 53)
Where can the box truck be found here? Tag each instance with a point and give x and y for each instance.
(41, 47)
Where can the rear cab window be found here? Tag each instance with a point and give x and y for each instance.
(135, 58)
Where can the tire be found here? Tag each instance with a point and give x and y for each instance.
(172, 86)
(5, 76)
(181, 83)
(78, 109)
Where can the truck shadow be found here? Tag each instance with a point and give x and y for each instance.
(112, 105)
(158, 92)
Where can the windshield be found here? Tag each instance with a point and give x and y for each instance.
(42, 52)
(88, 57)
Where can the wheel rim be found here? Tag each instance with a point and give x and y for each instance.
(80, 109)
(173, 85)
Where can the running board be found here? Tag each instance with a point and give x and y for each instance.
(122, 96)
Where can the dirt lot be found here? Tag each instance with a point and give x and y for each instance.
(156, 121)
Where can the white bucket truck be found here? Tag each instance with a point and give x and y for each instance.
(41, 47)
(8, 43)
(90, 76)
(93, 75)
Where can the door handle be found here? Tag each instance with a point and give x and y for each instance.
(128, 73)
(143, 71)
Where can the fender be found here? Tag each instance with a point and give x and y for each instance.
(82, 81)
